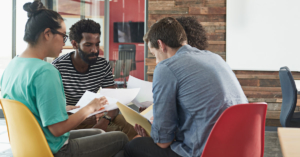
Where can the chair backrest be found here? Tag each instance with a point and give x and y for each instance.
(127, 68)
(112, 65)
(25, 134)
(239, 132)
(118, 69)
(128, 51)
(289, 96)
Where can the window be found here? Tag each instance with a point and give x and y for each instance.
(6, 39)
(21, 19)
(74, 10)
(126, 45)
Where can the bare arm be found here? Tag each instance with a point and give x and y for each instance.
(164, 145)
(74, 120)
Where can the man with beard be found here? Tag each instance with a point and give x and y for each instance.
(83, 70)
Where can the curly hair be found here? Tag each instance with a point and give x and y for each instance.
(83, 26)
(194, 31)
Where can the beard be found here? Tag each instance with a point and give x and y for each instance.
(85, 56)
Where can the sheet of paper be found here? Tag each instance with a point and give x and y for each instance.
(88, 96)
(124, 96)
(148, 113)
(145, 96)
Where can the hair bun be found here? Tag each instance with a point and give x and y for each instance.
(33, 8)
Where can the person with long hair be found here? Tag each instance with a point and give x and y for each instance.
(195, 33)
(38, 85)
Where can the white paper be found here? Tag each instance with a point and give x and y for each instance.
(145, 96)
(149, 115)
(88, 96)
(124, 96)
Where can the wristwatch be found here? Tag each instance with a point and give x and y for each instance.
(108, 118)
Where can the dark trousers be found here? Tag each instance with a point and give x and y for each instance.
(94, 143)
(145, 147)
(118, 124)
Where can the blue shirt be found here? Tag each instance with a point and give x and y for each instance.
(191, 90)
(38, 85)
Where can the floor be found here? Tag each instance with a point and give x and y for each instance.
(5, 150)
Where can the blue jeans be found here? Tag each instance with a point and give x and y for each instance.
(94, 143)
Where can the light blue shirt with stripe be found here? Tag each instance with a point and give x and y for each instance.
(191, 90)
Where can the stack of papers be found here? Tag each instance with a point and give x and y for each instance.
(145, 97)
(88, 97)
(138, 92)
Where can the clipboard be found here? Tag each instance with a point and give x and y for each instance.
(132, 117)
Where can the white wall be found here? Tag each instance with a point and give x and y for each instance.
(263, 34)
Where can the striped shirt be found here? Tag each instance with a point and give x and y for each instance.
(76, 83)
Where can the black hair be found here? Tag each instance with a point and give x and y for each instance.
(195, 32)
(83, 26)
(39, 18)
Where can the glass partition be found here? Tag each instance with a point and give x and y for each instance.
(126, 45)
(125, 50)
(74, 10)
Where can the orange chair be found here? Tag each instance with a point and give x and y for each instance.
(239, 132)
(24, 132)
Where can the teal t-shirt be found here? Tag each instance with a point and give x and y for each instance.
(38, 85)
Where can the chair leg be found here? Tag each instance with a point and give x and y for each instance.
(125, 86)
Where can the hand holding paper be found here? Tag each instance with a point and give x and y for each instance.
(140, 130)
(88, 98)
(145, 96)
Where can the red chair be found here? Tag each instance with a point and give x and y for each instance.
(239, 132)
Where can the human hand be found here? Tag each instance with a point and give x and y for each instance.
(113, 114)
(140, 130)
(93, 119)
(151, 120)
(141, 109)
(90, 120)
(99, 115)
(97, 103)
(70, 107)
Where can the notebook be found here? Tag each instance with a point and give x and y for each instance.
(133, 117)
